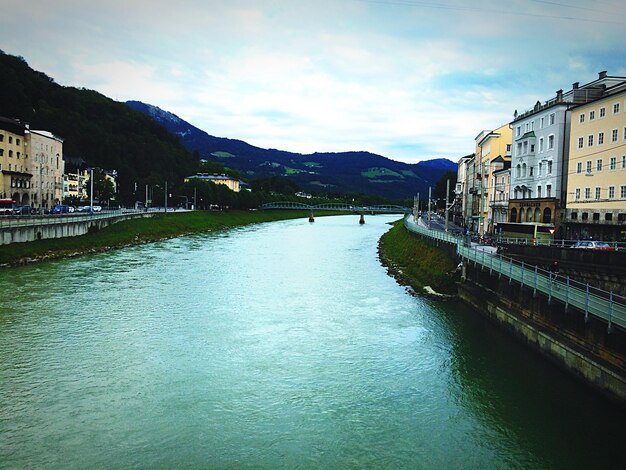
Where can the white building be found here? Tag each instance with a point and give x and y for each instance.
(47, 167)
(540, 147)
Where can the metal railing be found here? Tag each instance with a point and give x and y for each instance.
(592, 301)
(13, 221)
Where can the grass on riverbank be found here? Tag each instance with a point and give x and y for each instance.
(137, 231)
(417, 263)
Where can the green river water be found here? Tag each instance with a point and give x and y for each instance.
(281, 345)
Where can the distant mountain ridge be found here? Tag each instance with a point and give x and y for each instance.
(362, 172)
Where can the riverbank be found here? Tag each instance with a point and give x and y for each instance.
(137, 231)
(413, 262)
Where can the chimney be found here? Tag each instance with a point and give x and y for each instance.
(559, 96)
(602, 74)
(575, 85)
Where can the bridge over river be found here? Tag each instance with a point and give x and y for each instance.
(339, 207)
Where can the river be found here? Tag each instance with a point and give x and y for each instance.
(280, 345)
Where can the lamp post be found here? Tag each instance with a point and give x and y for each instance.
(91, 192)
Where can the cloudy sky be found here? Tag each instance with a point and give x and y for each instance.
(407, 79)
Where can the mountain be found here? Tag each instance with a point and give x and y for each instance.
(361, 172)
(96, 129)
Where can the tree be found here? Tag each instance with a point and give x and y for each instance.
(103, 190)
(440, 189)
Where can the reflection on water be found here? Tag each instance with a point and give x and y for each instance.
(277, 345)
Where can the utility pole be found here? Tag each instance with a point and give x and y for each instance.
(195, 204)
(429, 200)
(146, 197)
(447, 195)
(91, 193)
(166, 196)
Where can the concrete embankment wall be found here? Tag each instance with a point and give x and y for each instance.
(585, 348)
(67, 228)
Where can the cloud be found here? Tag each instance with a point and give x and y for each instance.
(409, 80)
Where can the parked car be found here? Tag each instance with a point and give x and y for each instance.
(22, 210)
(61, 209)
(592, 245)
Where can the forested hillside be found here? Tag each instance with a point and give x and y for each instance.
(101, 131)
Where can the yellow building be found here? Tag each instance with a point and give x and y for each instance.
(232, 183)
(493, 150)
(16, 180)
(596, 170)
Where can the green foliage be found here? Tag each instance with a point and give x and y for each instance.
(103, 132)
(420, 263)
(275, 184)
(439, 192)
(380, 172)
(103, 190)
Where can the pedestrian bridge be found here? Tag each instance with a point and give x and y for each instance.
(339, 207)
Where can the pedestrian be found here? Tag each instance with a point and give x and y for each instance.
(554, 270)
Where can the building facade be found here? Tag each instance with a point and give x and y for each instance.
(47, 167)
(15, 164)
(494, 149)
(231, 183)
(596, 194)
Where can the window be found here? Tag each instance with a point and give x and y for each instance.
(548, 190)
(519, 148)
(581, 141)
(601, 137)
(602, 112)
(10, 139)
(508, 148)
(541, 123)
(532, 148)
(1, 137)
(623, 162)
(540, 169)
(614, 136)
(590, 141)
(622, 191)
(612, 163)
(550, 167)
(589, 163)
(581, 118)
(579, 167)
(592, 115)
(611, 192)
(599, 164)
(525, 147)
(598, 191)
(587, 193)
(621, 217)
(577, 194)
(585, 215)
(615, 108)
(624, 133)
(608, 217)
(518, 171)
(531, 171)
(11, 153)
(550, 142)
(596, 216)
(1, 152)
(518, 131)
(523, 170)
(551, 119)
(538, 191)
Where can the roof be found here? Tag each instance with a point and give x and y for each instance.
(12, 125)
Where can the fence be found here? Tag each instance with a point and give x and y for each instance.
(591, 301)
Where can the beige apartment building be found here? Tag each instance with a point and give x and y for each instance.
(47, 167)
(596, 177)
(493, 150)
(231, 183)
(15, 164)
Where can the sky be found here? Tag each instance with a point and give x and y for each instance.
(408, 79)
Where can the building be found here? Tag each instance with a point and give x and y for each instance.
(15, 165)
(231, 183)
(47, 167)
(596, 179)
(501, 183)
(459, 211)
(493, 150)
(541, 140)
(74, 185)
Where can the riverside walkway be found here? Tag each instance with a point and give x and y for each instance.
(588, 300)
